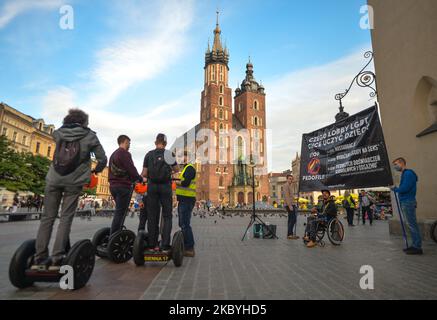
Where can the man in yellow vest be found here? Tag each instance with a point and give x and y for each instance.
(186, 196)
(349, 206)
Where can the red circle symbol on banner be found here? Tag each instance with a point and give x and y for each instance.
(314, 166)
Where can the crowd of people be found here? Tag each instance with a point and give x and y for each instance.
(71, 170)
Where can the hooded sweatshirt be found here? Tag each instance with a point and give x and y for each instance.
(89, 143)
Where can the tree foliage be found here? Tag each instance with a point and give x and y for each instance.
(21, 171)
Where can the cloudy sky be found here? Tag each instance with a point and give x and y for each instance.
(137, 66)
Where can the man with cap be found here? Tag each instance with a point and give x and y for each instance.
(159, 165)
(328, 210)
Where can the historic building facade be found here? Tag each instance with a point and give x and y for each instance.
(28, 134)
(233, 137)
(405, 44)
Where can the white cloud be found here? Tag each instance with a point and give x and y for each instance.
(142, 57)
(303, 101)
(150, 49)
(13, 8)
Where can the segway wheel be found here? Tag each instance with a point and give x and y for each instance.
(138, 248)
(101, 237)
(177, 248)
(120, 246)
(21, 261)
(82, 258)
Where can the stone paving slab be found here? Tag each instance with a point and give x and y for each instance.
(227, 268)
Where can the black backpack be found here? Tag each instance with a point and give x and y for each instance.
(67, 157)
(158, 170)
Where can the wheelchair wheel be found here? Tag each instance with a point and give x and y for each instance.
(320, 232)
(81, 258)
(120, 246)
(335, 232)
(21, 261)
(434, 231)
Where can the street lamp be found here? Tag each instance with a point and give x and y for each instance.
(364, 79)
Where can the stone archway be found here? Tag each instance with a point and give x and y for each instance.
(250, 197)
(425, 107)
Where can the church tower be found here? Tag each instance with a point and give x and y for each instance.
(216, 115)
(250, 110)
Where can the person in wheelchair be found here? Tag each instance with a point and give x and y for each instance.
(321, 214)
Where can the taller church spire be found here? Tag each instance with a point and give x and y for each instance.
(218, 54)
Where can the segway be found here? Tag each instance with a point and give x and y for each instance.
(117, 247)
(141, 254)
(80, 257)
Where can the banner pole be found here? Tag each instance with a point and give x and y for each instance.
(401, 219)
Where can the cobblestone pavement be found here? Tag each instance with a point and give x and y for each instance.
(227, 268)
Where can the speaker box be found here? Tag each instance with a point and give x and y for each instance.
(265, 232)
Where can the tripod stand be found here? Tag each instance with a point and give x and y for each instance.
(254, 216)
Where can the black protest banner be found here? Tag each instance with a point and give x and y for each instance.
(349, 154)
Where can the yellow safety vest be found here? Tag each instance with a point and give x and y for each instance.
(189, 191)
(349, 199)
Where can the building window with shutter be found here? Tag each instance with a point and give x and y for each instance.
(38, 145)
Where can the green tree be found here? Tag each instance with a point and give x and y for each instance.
(21, 171)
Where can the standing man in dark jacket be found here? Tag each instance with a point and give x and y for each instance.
(186, 196)
(407, 197)
(159, 164)
(64, 182)
(122, 174)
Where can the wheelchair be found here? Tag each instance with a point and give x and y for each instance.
(333, 228)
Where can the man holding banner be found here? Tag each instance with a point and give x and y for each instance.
(407, 198)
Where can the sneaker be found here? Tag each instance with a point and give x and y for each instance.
(189, 253)
(292, 237)
(306, 238)
(56, 265)
(165, 249)
(311, 244)
(41, 264)
(414, 251)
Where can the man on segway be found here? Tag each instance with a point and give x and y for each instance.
(68, 173)
(186, 196)
(159, 164)
(122, 174)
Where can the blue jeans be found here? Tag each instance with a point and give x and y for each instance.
(409, 211)
(291, 219)
(185, 208)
